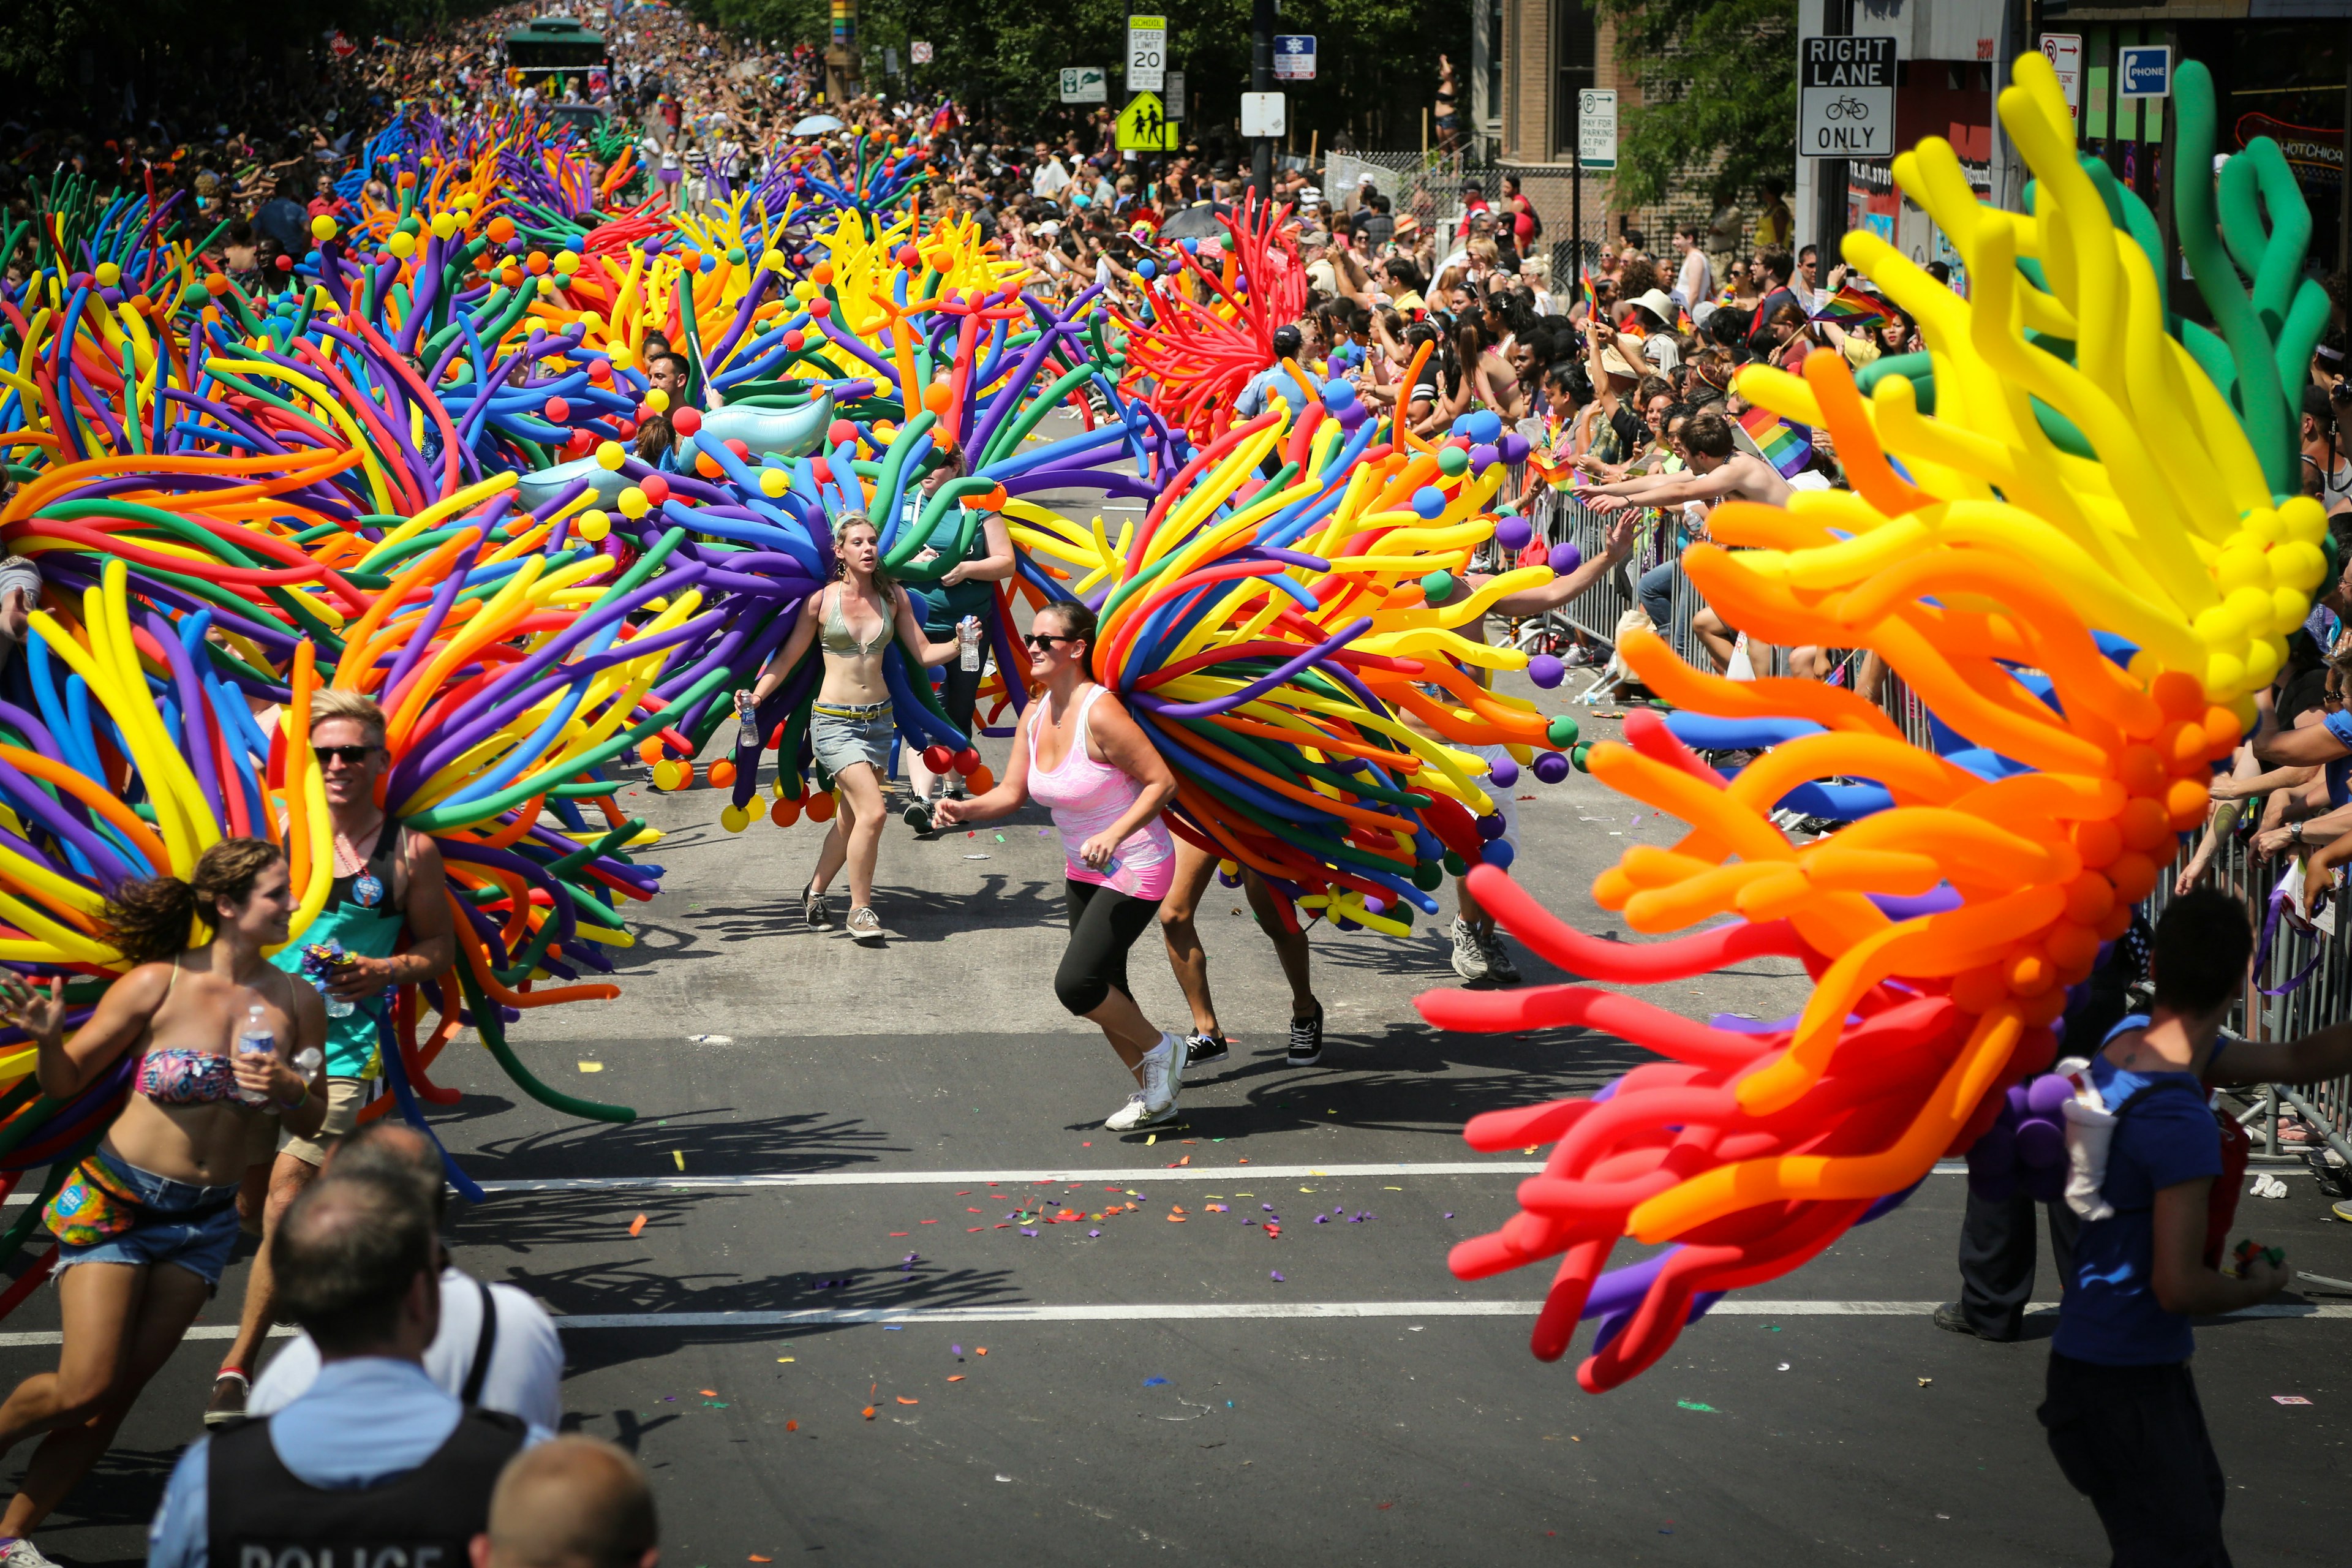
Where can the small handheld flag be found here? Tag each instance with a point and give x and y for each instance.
(1788, 447)
(1850, 307)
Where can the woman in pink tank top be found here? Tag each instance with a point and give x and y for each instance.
(1082, 756)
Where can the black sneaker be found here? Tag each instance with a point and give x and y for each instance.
(1199, 1050)
(918, 816)
(1306, 1039)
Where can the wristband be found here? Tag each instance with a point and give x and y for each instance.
(295, 1104)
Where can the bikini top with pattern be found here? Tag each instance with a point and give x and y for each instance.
(185, 1075)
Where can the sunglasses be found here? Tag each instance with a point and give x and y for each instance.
(1047, 639)
(354, 756)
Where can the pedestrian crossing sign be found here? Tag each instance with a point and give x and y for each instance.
(1144, 126)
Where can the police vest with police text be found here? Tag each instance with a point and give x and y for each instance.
(261, 1515)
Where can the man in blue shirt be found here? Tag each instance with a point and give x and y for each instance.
(2122, 1411)
(1276, 380)
(374, 1458)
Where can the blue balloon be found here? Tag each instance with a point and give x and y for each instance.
(1499, 854)
(1429, 500)
(1147, 269)
(1485, 425)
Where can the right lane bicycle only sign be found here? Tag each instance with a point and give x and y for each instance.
(1846, 100)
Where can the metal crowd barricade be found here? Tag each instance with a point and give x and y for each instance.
(2283, 1002)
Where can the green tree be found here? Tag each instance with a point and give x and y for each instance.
(1376, 63)
(1718, 95)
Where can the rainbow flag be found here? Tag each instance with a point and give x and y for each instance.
(1591, 300)
(1683, 323)
(1788, 447)
(1850, 307)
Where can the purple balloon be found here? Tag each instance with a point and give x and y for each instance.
(2040, 1143)
(2018, 1104)
(1503, 772)
(1551, 766)
(1513, 533)
(1514, 448)
(2046, 1094)
(1482, 458)
(1546, 670)
(1566, 558)
(1490, 826)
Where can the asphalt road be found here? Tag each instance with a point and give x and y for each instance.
(851, 1325)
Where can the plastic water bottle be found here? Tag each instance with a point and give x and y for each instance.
(968, 633)
(746, 732)
(256, 1040)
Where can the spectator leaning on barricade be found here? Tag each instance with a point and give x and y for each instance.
(374, 1462)
(495, 1346)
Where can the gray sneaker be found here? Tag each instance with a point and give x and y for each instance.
(1470, 960)
(1499, 967)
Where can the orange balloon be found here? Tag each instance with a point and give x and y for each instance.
(981, 780)
(722, 774)
(820, 808)
(938, 396)
(649, 751)
(784, 812)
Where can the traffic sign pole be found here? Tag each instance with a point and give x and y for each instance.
(1262, 80)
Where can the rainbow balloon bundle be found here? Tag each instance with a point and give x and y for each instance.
(2086, 565)
(1204, 331)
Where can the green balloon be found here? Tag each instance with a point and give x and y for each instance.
(1576, 758)
(1562, 732)
(1452, 461)
(1437, 587)
(1427, 876)
(1454, 864)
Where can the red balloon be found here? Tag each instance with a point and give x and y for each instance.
(840, 433)
(558, 411)
(657, 488)
(580, 442)
(909, 257)
(794, 341)
(938, 759)
(627, 429)
(742, 450)
(965, 762)
(821, 470)
(599, 372)
(820, 308)
(685, 421)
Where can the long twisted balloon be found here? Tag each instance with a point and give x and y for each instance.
(2085, 567)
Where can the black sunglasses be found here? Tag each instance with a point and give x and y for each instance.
(354, 756)
(1047, 639)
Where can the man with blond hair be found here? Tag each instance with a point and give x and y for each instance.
(388, 887)
(576, 1502)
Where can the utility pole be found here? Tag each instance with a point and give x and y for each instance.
(1576, 185)
(1828, 174)
(1262, 80)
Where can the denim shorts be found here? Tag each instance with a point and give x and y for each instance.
(192, 1227)
(843, 735)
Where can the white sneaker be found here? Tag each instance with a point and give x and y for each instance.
(1128, 1118)
(22, 1554)
(1470, 958)
(1163, 1075)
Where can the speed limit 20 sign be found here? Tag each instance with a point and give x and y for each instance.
(1147, 53)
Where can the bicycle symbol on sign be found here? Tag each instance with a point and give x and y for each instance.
(1847, 107)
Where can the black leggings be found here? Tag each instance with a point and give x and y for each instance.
(1104, 924)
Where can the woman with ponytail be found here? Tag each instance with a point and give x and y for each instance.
(147, 1221)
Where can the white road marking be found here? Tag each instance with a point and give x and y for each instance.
(1128, 1312)
(1041, 1177)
